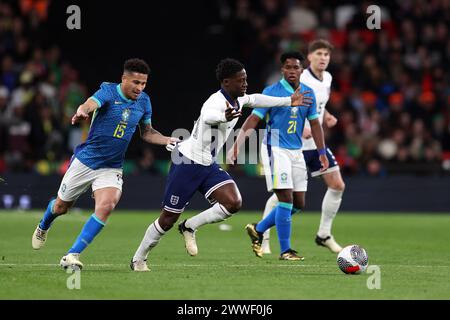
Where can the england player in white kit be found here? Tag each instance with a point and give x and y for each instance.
(193, 162)
(317, 78)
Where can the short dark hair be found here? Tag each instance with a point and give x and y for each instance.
(136, 65)
(227, 68)
(320, 44)
(292, 55)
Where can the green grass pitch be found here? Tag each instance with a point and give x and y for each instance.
(412, 251)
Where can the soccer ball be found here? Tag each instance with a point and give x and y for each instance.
(353, 259)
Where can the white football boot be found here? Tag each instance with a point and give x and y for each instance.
(139, 266)
(189, 238)
(71, 260)
(330, 243)
(39, 238)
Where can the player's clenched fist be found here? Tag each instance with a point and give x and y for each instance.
(80, 115)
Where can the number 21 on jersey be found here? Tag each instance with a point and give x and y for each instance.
(292, 127)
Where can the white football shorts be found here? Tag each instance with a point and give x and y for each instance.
(79, 177)
(284, 168)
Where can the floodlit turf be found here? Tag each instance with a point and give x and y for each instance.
(412, 251)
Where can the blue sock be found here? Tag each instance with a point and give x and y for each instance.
(283, 223)
(269, 221)
(48, 218)
(91, 228)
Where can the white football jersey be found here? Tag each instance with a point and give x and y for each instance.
(211, 130)
(322, 93)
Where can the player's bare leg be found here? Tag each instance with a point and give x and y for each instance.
(106, 200)
(228, 201)
(299, 200)
(55, 208)
(330, 205)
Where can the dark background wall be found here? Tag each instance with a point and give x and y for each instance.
(174, 37)
(145, 192)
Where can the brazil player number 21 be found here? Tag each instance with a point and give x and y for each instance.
(292, 127)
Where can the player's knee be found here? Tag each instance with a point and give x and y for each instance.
(338, 186)
(166, 225)
(233, 205)
(106, 207)
(167, 220)
(60, 208)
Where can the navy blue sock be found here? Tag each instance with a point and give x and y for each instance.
(48, 217)
(91, 228)
(283, 223)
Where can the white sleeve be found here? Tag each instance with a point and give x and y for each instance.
(262, 101)
(212, 113)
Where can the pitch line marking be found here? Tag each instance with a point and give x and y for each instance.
(156, 265)
(209, 265)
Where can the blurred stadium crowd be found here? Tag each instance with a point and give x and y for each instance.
(39, 93)
(391, 91)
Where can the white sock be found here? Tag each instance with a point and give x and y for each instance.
(151, 238)
(330, 206)
(271, 203)
(216, 213)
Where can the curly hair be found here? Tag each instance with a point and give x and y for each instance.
(136, 65)
(227, 68)
(292, 55)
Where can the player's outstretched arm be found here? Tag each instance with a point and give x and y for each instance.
(83, 110)
(297, 99)
(317, 134)
(246, 130)
(150, 135)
